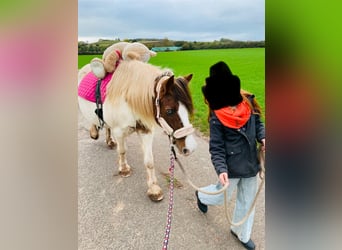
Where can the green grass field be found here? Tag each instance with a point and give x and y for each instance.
(248, 64)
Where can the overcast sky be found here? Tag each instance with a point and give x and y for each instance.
(189, 20)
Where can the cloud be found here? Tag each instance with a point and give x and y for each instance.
(190, 20)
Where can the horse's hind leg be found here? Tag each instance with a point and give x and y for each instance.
(94, 132)
(124, 168)
(109, 140)
(154, 191)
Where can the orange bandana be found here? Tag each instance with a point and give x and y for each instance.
(234, 117)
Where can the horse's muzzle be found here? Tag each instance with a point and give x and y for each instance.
(185, 151)
(190, 145)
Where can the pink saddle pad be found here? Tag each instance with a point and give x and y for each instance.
(87, 87)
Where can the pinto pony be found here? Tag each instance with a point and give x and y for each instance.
(140, 97)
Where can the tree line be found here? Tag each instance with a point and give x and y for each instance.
(97, 48)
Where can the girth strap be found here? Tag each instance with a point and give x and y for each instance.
(99, 109)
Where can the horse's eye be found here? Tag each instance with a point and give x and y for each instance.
(170, 111)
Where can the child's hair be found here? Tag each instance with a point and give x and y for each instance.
(255, 107)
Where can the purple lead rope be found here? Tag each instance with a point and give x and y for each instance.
(169, 211)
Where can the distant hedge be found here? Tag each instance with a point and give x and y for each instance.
(96, 48)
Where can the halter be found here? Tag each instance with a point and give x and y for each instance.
(179, 133)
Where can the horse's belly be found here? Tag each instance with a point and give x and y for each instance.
(119, 115)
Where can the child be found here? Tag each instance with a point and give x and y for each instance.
(235, 129)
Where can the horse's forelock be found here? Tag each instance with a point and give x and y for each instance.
(182, 93)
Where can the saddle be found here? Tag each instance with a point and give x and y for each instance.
(94, 90)
(87, 87)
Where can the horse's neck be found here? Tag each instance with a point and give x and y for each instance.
(136, 82)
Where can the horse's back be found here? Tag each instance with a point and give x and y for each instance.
(134, 73)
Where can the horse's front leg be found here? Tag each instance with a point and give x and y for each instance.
(154, 191)
(124, 168)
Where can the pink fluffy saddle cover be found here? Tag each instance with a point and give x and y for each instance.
(87, 87)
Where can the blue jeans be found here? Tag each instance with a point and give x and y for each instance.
(246, 191)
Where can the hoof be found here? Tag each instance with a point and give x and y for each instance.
(95, 137)
(111, 144)
(125, 173)
(94, 133)
(155, 193)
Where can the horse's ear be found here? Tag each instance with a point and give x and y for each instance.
(166, 86)
(188, 77)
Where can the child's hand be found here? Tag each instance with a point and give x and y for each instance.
(223, 177)
(263, 143)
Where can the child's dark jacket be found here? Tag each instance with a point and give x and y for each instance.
(235, 150)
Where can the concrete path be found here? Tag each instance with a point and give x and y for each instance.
(115, 213)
